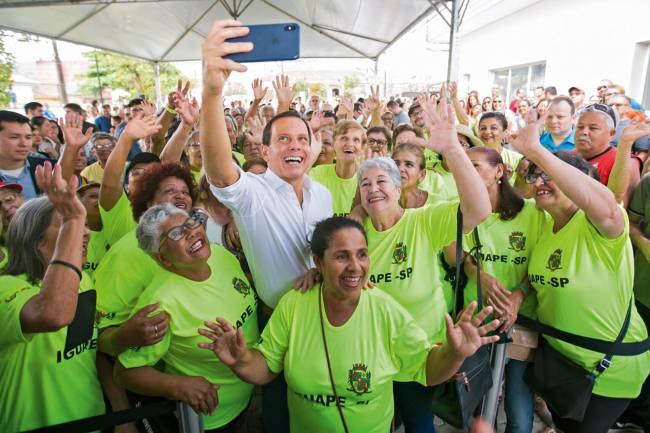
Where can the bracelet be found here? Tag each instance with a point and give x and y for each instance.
(170, 110)
(67, 265)
(523, 287)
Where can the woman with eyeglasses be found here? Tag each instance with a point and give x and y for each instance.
(508, 237)
(340, 178)
(582, 273)
(198, 281)
(486, 105)
(341, 347)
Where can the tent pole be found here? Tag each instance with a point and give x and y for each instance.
(452, 61)
(159, 99)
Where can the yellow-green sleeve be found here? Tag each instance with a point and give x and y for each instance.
(118, 221)
(14, 294)
(274, 340)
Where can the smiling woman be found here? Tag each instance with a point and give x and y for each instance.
(202, 281)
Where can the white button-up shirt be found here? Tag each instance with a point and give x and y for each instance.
(274, 229)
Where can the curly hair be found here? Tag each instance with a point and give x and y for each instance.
(147, 184)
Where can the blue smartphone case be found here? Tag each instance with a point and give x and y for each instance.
(272, 42)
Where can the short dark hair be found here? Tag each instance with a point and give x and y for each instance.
(135, 101)
(574, 160)
(254, 161)
(148, 183)
(551, 89)
(392, 104)
(500, 117)
(383, 130)
(566, 99)
(38, 121)
(106, 106)
(74, 107)
(31, 106)
(12, 117)
(407, 127)
(266, 134)
(326, 229)
(328, 114)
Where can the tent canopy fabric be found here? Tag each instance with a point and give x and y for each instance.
(173, 30)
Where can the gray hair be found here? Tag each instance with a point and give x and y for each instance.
(25, 233)
(102, 136)
(382, 163)
(148, 231)
(611, 124)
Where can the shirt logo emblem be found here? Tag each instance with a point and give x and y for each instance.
(399, 255)
(359, 379)
(517, 241)
(555, 260)
(241, 286)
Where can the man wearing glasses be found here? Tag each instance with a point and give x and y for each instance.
(102, 146)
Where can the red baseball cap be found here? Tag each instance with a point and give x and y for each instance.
(16, 187)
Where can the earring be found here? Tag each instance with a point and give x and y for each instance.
(499, 181)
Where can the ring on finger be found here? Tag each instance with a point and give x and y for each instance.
(155, 329)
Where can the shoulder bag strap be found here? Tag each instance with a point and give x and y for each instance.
(458, 292)
(607, 359)
(327, 356)
(477, 257)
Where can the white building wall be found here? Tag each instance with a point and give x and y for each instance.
(582, 41)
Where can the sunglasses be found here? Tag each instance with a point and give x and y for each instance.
(603, 108)
(532, 177)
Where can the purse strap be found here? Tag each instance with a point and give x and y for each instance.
(606, 347)
(458, 291)
(327, 356)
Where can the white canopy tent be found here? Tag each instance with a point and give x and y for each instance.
(173, 30)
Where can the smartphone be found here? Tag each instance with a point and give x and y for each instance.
(271, 42)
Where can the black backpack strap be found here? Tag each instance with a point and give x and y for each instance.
(458, 291)
(606, 347)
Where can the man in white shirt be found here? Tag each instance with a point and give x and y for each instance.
(274, 212)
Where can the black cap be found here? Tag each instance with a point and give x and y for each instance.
(572, 88)
(140, 158)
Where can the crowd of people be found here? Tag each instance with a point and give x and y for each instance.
(194, 251)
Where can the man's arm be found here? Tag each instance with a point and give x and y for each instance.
(215, 144)
(625, 175)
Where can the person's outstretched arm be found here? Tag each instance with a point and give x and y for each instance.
(216, 150)
(625, 174)
(111, 188)
(588, 194)
(75, 139)
(474, 199)
(189, 112)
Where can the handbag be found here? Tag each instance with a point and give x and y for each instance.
(456, 400)
(566, 386)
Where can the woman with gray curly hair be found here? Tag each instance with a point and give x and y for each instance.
(403, 244)
(200, 280)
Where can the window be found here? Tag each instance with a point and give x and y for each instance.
(525, 76)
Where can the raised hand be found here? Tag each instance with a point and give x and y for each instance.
(317, 121)
(72, 130)
(216, 69)
(346, 108)
(188, 110)
(258, 91)
(227, 343)
(633, 131)
(62, 194)
(527, 141)
(468, 335)
(373, 102)
(138, 128)
(181, 92)
(453, 90)
(440, 123)
(148, 108)
(142, 330)
(283, 90)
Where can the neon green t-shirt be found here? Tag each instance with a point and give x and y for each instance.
(447, 188)
(118, 221)
(121, 277)
(41, 381)
(511, 158)
(5, 256)
(431, 158)
(584, 285)
(240, 157)
(380, 343)
(432, 183)
(97, 247)
(342, 190)
(506, 250)
(404, 265)
(226, 293)
(640, 207)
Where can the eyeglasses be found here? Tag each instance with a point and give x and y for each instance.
(377, 142)
(103, 146)
(601, 87)
(137, 171)
(179, 232)
(532, 177)
(194, 145)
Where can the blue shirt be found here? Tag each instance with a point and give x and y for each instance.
(24, 179)
(103, 124)
(547, 141)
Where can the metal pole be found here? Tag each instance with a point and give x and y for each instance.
(99, 80)
(63, 93)
(491, 400)
(159, 99)
(452, 60)
(188, 420)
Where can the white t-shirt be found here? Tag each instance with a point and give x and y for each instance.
(274, 228)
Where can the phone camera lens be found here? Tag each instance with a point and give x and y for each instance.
(289, 28)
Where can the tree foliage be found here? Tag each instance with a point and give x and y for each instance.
(6, 68)
(116, 71)
(350, 82)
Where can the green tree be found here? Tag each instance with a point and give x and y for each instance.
(6, 68)
(116, 71)
(350, 82)
(301, 86)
